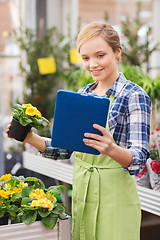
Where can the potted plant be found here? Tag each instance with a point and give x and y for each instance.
(26, 200)
(153, 163)
(25, 116)
(142, 178)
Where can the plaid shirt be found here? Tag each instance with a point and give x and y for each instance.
(129, 122)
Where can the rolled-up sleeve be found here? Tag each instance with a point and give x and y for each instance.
(55, 153)
(138, 130)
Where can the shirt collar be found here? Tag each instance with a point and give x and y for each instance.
(115, 89)
(117, 86)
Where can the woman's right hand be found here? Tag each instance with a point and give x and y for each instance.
(33, 139)
(8, 127)
(28, 137)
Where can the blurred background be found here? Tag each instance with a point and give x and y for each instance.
(47, 29)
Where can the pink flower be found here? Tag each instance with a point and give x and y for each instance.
(141, 173)
(154, 146)
(155, 165)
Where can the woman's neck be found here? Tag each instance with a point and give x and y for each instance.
(102, 87)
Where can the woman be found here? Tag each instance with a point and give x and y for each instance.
(105, 200)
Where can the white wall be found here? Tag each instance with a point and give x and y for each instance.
(155, 61)
(28, 13)
(58, 12)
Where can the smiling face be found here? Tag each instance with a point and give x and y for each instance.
(100, 60)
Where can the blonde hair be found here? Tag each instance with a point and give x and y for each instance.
(99, 29)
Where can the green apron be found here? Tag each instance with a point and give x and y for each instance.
(105, 203)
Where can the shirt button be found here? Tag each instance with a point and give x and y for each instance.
(91, 169)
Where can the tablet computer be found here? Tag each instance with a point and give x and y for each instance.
(75, 113)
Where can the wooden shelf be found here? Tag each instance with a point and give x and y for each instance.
(150, 199)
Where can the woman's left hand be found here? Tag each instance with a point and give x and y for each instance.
(102, 143)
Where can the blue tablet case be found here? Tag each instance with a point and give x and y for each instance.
(75, 114)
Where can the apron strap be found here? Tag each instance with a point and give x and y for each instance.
(87, 172)
(111, 98)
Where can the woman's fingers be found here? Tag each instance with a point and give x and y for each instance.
(8, 127)
(100, 142)
(97, 136)
(102, 147)
(93, 136)
(100, 128)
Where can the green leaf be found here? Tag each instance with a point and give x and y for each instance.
(65, 208)
(26, 200)
(2, 213)
(16, 114)
(16, 197)
(16, 220)
(50, 221)
(26, 191)
(62, 216)
(56, 189)
(61, 187)
(12, 212)
(38, 183)
(44, 119)
(18, 106)
(43, 212)
(19, 178)
(59, 209)
(24, 121)
(29, 217)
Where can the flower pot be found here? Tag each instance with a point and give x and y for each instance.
(142, 178)
(17, 131)
(4, 220)
(154, 174)
(36, 230)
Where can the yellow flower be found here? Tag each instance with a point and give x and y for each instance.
(7, 186)
(23, 184)
(42, 203)
(6, 177)
(17, 190)
(38, 194)
(38, 113)
(32, 111)
(26, 105)
(5, 194)
(52, 198)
